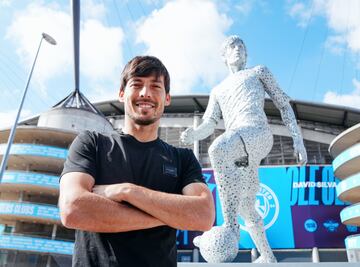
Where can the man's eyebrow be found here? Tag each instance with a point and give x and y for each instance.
(138, 79)
(156, 81)
(135, 80)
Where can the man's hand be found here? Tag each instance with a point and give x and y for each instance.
(300, 152)
(115, 192)
(188, 136)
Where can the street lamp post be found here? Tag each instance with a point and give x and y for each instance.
(4, 161)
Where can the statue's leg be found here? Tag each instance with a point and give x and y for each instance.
(235, 165)
(221, 243)
(228, 158)
(252, 219)
(236, 175)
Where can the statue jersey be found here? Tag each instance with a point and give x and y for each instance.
(240, 98)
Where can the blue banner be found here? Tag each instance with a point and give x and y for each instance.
(36, 150)
(299, 207)
(36, 244)
(29, 209)
(18, 177)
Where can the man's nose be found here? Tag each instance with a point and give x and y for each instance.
(145, 91)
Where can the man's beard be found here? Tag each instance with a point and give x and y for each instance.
(142, 122)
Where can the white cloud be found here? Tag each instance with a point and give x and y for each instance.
(305, 12)
(336, 44)
(186, 35)
(7, 118)
(5, 3)
(100, 46)
(300, 11)
(100, 93)
(349, 100)
(344, 21)
(343, 18)
(90, 9)
(101, 54)
(246, 6)
(25, 32)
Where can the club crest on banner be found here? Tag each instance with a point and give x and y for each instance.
(267, 205)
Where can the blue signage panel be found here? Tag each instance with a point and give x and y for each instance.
(18, 177)
(29, 209)
(316, 208)
(272, 203)
(299, 207)
(36, 150)
(36, 244)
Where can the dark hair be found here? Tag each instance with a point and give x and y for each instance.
(143, 66)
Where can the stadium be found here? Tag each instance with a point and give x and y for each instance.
(299, 204)
(302, 212)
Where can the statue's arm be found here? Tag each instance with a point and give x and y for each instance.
(211, 117)
(282, 102)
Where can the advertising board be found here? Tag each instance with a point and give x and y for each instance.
(299, 207)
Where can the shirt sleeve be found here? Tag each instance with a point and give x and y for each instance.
(82, 155)
(191, 170)
(213, 110)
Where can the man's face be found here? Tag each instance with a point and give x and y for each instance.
(235, 55)
(145, 99)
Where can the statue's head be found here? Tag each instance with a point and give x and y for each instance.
(233, 51)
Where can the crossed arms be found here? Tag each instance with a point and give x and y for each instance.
(102, 209)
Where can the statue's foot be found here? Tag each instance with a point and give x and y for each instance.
(220, 244)
(264, 259)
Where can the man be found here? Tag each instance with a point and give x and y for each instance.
(236, 154)
(126, 193)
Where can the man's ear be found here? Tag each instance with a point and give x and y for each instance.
(121, 95)
(167, 100)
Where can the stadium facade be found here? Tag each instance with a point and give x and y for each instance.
(299, 204)
(345, 149)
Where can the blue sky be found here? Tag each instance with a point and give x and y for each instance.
(312, 47)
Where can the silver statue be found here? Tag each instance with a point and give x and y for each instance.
(236, 154)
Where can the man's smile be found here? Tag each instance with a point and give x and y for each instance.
(144, 105)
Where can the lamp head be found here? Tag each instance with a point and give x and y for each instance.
(48, 38)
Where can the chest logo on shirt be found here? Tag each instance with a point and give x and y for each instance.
(169, 169)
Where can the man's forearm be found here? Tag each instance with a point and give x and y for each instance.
(91, 212)
(177, 211)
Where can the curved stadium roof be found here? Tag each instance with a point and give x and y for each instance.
(306, 111)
